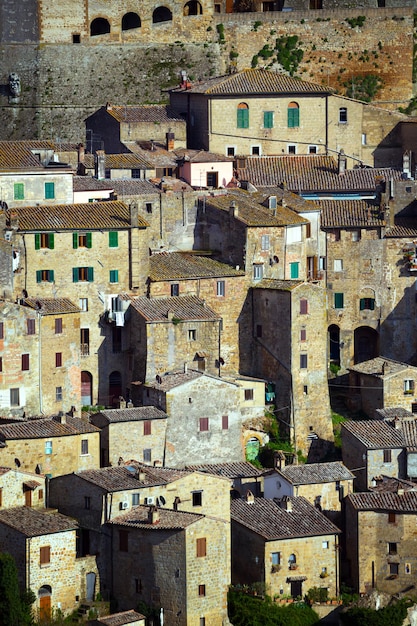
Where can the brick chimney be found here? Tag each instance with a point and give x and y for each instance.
(153, 515)
(286, 504)
(170, 141)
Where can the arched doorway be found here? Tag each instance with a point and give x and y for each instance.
(130, 21)
(366, 344)
(193, 7)
(91, 585)
(44, 595)
(99, 26)
(334, 344)
(115, 387)
(86, 388)
(161, 14)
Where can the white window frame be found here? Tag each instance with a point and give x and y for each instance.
(290, 146)
(221, 288)
(234, 148)
(338, 265)
(258, 271)
(259, 147)
(265, 242)
(313, 149)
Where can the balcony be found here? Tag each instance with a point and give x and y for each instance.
(85, 349)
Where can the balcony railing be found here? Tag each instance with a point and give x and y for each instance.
(85, 349)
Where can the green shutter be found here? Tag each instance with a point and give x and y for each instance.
(38, 276)
(338, 300)
(243, 118)
(362, 304)
(49, 191)
(268, 119)
(294, 270)
(114, 276)
(293, 117)
(75, 240)
(19, 191)
(372, 304)
(51, 241)
(75, 274)
(113, 239)
(90, 274)
(88, 240)
(37, 241)
(51, 276)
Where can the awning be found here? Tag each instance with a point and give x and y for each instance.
(31, 484)
(201, 355)
(296, 579)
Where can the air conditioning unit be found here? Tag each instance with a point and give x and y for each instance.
(124, 505)
(150, 500)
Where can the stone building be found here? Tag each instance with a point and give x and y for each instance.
(131, 433)
(243, 476)
(125, 618)
(43, 544)
(90, 189)
(177, 561)
(18, 488)
(50, 446)
(207, 416)
(380, 541)
(284, 543)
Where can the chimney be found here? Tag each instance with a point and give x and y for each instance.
(153, 515)
(250, 498)
(141, 476)
(81, 152)
(170, 141)
(279, 459)
(400, 491)
(342, 162)
(177, 501)
(233, 209)
(286, 504)
(134, 214)
(385, 368)
(100, 164)
(63, 418)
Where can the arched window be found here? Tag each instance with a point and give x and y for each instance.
(130, 21)
(342, 115)
(242, 115)
(86, 388)
(99, 26)
(193, 7)
(293, 115)
(161, 14)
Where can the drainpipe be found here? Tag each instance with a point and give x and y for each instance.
(40, 362)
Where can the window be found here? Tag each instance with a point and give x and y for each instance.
(147, 427)
(15, 396)
(305, 390)
(44, 555)
(147, 455)
(135, 499)
(342, 115)
(392, 548)
(221, 288)
(82, 274)
(303, 306)
(58, 326)
(85, 341)
(338, 300)
(364, 139)
(230, 151)
(45, 276)
(204, 424)
(40, 494)
(203, 619)
(175, 289)
(82, 240)
(312, 149)
(76, 38)
(1, 330)
(192, 334)
(197, 497)
(308, 230)
(293, 115)
(303, 334)
(367, 304)
(356, 235)
(83, 304)
(201, 590)
(292, 148)
(136, 173)
(1, 363)
(225, 422)
(276, 558)
(268, 119)
(84, 446)
(114, 276)
(19, 191)
(87, 502)
(259, 330)
(49, 191)
(255, 150)
(48, 447)
(113, 239)
(242, 115)
(387, 456)
(201, 547)
(409, 387)
(44, 240)
(407, 568)
(248, 394)
(258, 272)
(123, 541)
(325, 545)
(58, 394)
(338, 265)
(294, 270)
(212, 179)
(265, 242)
(392, 518)
(303, 361)
(148, 207)
(292, 559)
(393, 569)
(25, 362)
(58, 359)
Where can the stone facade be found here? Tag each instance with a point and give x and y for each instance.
(21, 488)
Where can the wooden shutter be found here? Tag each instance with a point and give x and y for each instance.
(202, 546)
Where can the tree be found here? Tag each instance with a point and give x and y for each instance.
(14, 607)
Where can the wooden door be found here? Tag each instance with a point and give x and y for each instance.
(45, 607)
(28, 497)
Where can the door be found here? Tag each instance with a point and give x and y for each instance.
(45, 607)
(296, 588)
(91, 583)
(28, 497)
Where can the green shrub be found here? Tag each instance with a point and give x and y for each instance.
(356, 21)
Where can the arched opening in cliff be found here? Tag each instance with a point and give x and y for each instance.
(130, 21)
(193, 8)
(99, 26)
(161, 14)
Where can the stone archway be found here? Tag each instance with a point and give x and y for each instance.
(366, 344)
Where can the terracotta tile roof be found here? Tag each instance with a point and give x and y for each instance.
(375, 434)
(41, 428)
(403, 227)
(52, 306)
(120, 478)
(242, 469)
(393, 484)
(251, 212)
(89, 183)
(255, 82)
(153, 153)
(148, 113)
(284, 198)
(183, 308)
(313, 173)
(267, 519)
(17, 155)
(274, 283)
(409, 430)
(78, 425)
(312, 473)
(173, 379)
(385, 501)
(133, 187)
(168, 519)
(120, 619)
(122, 161)
(350, 214)
(134, 414)
(394, 412)
(184, 265)
(36, 522)
(201, 156)
(84, 216)
(380, 367)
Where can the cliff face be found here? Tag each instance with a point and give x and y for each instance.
(63, 82)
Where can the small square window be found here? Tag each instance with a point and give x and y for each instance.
(392, 518)
(83, 304)
(387, 456)
(49, 191)
(303, 334)
(15, 397)
(268, 119)
(392, 548)
(25, 362)
(248, 395)
(147, 455)
(204, 424)
(197, 497)
(303, 361)
(114, 276)
(192, 335)
(84, 446)
(230, 151)
(201, 590)
(258, 272)
(58, 394)
(356, 235)
(48, 447)
(292, 149)
(312, 149)
(256, 150)
(343, 115)
(276, 558)
(325, 545)
(135, 499)
(409, 387)
(76, 38)
(148, 207)
(393, 569)
(113, 239)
